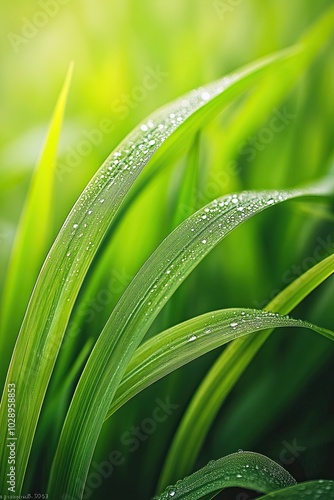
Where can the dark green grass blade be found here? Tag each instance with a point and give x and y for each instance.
(244, 469)
(315, 490)
(185, 342)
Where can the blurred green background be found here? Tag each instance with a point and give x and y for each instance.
(131, 57)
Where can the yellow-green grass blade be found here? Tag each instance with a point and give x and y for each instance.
(85, 228)
(140, 304)
(185, 342)
(244, 469)
(27, 253)
(224, 374)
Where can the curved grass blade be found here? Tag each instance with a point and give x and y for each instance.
(86, 226)
(15, 297)
(185, 342)
(244, 469)
(140, 304)
(319, 490)
(224, 374)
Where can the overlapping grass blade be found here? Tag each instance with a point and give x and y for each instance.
(36, 213)
(244, 469)
(140, 304)
(320, 490)
(185, 342)
(82, 233)
(225, 373)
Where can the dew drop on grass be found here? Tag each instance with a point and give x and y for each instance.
(204, 242)
(234, 324)
(75, 225)
(205, 96)
(192, 338)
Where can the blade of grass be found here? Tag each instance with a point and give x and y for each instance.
(67, 263)
(319, 490)
(244, 469)
(15, 297)
(185, 342)
(224, 374)
(140, 304)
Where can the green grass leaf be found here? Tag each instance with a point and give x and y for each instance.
(185, 342)
(317, 490)
(86, 226)
(224, 374)
(37, 213)
(140, 304)
(244, 469)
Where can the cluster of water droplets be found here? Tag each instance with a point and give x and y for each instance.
(135, 151)
(230, 211)
(200, 233)
(233, 470)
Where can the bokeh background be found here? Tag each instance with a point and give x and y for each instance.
(131, 57)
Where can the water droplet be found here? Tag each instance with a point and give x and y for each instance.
(143, 128)
(205, 96)
(192, 338)
(239, 475)
(203, 216)
(234, 324)
(270, 201)
(204, 242)
(101, 200)
(151, 143)
(68, 254)
(208, 330)
(75, 225)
